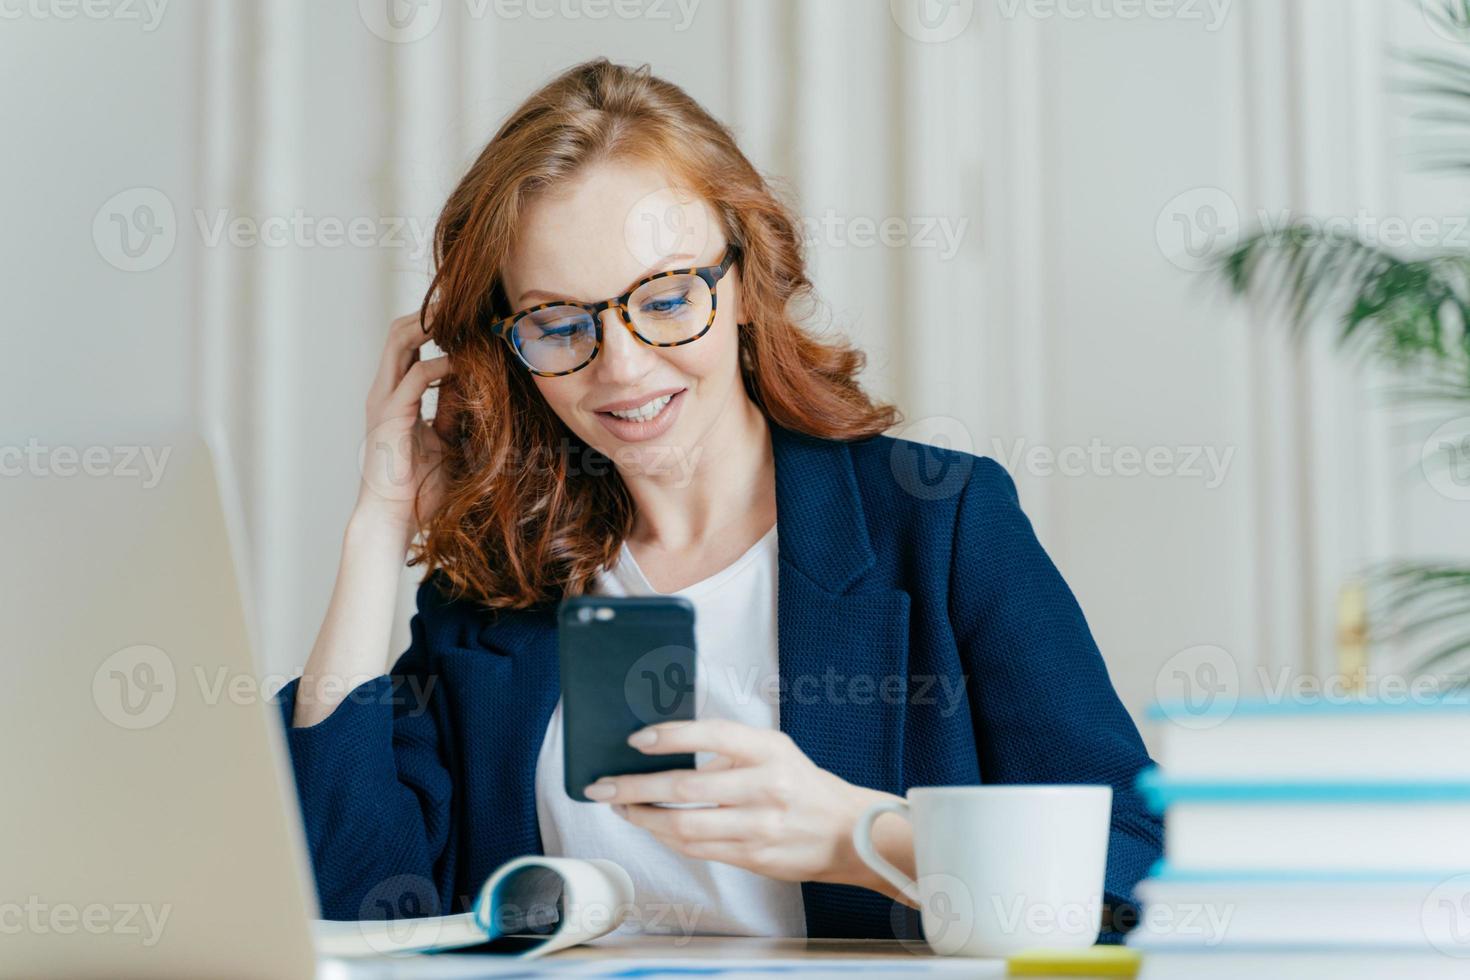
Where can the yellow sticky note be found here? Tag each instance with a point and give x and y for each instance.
(1094, 961)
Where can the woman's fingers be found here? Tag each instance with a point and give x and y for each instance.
(400, 451)
(726, 787)
(745, 744)
(706, 823)
(405, 336)
(735, 852)
(416, 380)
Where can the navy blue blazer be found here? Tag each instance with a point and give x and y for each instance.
(896, 561)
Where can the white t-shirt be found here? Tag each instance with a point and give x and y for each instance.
(735, 678)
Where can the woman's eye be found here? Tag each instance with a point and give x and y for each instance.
(664, 305)
(552, 332)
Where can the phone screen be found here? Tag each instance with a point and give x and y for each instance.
(626, 663)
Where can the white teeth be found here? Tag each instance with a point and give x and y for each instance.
(646, 411)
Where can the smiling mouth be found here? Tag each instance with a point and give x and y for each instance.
(646, 412)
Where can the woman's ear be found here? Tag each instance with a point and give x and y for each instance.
(739, 299)
(499, 303)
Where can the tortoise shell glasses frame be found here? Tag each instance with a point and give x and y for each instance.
(709, 274)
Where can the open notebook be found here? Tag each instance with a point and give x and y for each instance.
(558, 902)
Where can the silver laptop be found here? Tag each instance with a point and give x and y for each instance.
(149, 826)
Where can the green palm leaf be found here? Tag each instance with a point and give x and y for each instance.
(1404, 309)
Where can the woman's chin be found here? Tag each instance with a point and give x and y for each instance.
(659, 459)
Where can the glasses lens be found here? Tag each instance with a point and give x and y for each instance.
(670, 309)
(558, 338)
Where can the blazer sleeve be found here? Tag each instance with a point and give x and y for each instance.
(375, 793)
(1043, 706)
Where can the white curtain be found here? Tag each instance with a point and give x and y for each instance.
(987, 186)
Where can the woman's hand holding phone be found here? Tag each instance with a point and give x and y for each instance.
(776, 812)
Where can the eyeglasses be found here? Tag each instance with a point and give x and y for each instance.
(666, 309)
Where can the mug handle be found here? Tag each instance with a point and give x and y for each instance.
(862, 840)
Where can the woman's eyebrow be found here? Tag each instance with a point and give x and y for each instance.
(663, 266)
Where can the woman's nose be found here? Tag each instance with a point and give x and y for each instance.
(624, 359)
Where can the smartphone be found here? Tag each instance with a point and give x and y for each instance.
(626, 662)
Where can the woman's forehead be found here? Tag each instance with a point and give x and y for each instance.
(594, 237)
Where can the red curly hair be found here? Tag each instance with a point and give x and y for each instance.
(529, 516)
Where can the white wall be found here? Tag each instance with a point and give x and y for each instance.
(1060, 152)
(90, 108)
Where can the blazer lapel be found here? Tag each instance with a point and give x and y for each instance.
(843, 648)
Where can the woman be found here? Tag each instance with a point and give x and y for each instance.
(861, 630)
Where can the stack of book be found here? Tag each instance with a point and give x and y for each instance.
(1310, 839)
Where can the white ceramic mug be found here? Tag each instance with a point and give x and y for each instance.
(1001, 868)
